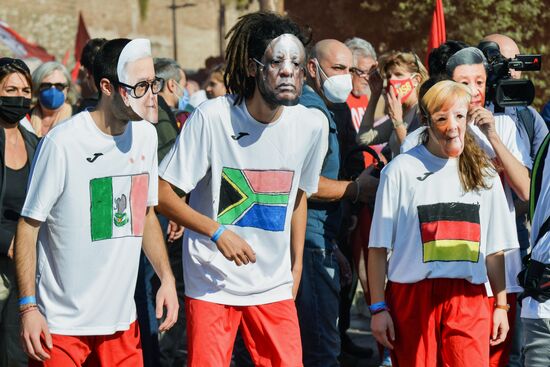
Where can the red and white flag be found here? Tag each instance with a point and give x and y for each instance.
(20, 46)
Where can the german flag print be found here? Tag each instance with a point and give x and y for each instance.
(450, 232)
(255, 198)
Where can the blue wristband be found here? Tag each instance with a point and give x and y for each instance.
(216, 236)
(378, 306)
(27, 300)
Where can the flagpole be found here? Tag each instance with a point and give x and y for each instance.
(175, 7)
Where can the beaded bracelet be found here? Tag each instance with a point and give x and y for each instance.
(28, 309)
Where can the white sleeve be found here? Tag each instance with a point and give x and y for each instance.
(313, 163)
(46, 180)
(412, 140)
(500, 225)
(386, 212)
(152, 195)
(512, 139)
(189, 159)
(541, 130)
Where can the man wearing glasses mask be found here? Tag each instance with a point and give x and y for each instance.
(90, 206)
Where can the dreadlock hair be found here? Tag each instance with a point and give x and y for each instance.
(248, 39)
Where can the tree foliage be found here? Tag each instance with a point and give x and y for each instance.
(527, 22)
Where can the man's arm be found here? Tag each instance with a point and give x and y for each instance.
(334, 190)
(155, 250)
(230, 245)
(33, 324)
(517, 175)
(297, 238)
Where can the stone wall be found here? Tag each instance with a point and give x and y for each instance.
(53, 23)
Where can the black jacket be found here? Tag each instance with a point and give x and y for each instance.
(31, 141)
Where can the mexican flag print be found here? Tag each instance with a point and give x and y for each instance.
(117, 206)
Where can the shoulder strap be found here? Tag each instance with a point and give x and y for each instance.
(542, 231)
(536, 175)
(528, 121)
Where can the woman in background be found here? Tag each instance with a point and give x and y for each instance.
(51, 84)
(17, 146)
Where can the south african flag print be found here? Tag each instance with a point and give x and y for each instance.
(254, 198)
(450, 232)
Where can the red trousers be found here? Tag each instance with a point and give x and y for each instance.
(121, 349)
(271, 333)
(439, 322)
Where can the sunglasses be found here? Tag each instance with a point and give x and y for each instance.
(59, 86)
(8, 61)
(139, 90)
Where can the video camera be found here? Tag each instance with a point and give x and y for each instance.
(502, 90)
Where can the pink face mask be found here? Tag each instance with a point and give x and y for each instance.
(401, 87)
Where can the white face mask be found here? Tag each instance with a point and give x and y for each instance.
(337, 87)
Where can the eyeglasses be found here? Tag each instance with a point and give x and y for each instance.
(139, 90)
(7, 61)
(362, 73)
(280, 64)
(59, 86)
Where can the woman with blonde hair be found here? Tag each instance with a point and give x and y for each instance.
(51, 85)
(440, 213)
(214, 85)
(404, 73)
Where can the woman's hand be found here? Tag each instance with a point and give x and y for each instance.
(394, 107)
(381, 326)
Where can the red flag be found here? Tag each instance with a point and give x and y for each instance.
(437, 33)
(82, 37)
(20, 46)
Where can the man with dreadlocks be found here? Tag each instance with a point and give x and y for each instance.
(249, 159)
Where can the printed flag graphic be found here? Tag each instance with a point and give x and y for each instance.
(450, 232)
(117, 206)
(254, 198)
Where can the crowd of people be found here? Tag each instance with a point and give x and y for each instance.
(149, 219)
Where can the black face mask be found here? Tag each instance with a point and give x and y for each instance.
(13, 109)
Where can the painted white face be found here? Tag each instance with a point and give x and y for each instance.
(136, 71)
(282, 67)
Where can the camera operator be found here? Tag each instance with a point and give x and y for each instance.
(531, 132)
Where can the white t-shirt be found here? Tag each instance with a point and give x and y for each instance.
(507, 131)
(245, 175)
(531, 308)
(92, 191)
(433, 228)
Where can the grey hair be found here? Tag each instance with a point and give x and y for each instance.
(167, 69)
(360, 47)
(466, 56)
(45, 70)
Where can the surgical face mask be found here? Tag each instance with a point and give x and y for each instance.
(51, 98)
(337, 87)
(183, 100)
(13, 109)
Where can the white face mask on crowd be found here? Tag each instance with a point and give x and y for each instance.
(337, 87)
